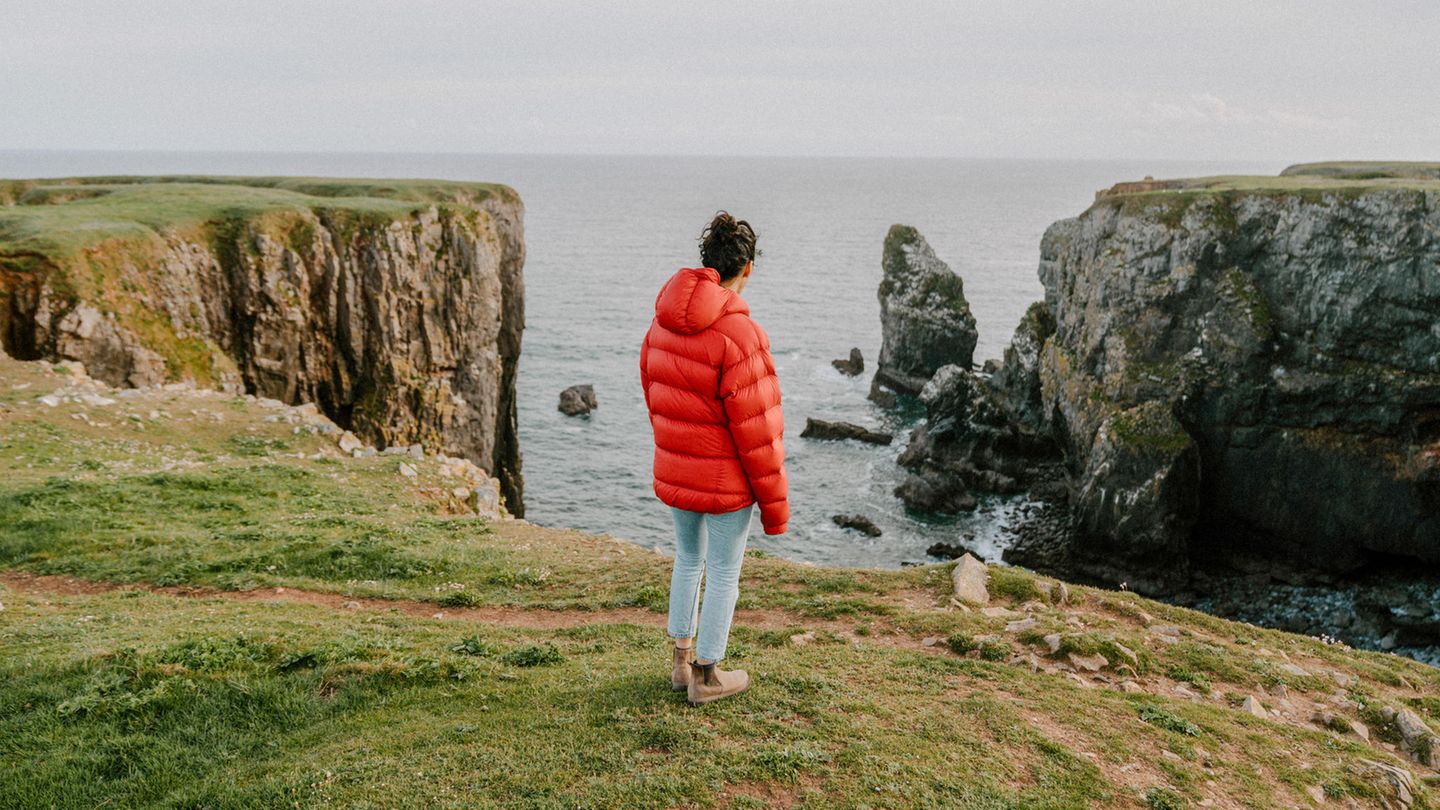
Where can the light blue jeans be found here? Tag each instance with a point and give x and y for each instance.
(713, 545)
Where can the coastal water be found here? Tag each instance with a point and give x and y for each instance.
(602, 235)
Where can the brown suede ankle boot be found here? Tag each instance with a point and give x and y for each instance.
(680, 672)
(708, 682)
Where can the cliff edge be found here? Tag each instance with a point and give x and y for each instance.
(396, 306)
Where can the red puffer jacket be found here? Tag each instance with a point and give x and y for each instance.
(714, 402)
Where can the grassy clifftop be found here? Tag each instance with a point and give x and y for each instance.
(206, 603)
(58, 217)
(1305, 179)
(1363, 169)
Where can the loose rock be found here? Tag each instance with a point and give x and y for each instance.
(970, 577)
(348, 442)
(1088, 663)
(1253, 706)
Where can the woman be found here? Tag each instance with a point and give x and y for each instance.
(714, 405)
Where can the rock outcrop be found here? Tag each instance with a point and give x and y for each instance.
(925, 320)
(859, 523)
(840, 431)
(1231, 365)
(852, 366)
(578, 400)
(396, 306)
(971, 441)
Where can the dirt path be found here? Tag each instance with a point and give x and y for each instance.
(508, 616)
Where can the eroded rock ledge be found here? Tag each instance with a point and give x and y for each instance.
(396, 306)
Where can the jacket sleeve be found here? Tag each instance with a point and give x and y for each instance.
(644, 368)
(751, 394)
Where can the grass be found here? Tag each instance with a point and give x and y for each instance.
(1304, 185)
(500, 664)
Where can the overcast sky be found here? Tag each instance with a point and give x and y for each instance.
(1251, 80)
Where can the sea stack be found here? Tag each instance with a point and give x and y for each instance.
(925, 320)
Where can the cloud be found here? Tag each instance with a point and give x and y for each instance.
(1201, 108)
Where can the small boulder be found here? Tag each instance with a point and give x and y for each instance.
(1419, 742)
(1252, 706)
(1020, 626)
(970, 577)
(578, 400)
(859, 523)
(854, 366)
(349, 443)
(821, 429)
(484, 499)
(1088, 663)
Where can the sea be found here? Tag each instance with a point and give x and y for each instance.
(603, 233)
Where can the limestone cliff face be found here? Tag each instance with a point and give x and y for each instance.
(396, 308)
(1258, 368)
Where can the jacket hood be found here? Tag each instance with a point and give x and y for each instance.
(693, 299)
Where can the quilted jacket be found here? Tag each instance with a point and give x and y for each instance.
(714, 402)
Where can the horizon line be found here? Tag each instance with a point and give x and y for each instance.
(663, 155)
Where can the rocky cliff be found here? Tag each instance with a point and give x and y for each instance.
(396, 306)
(1226, 366)
(1253, 364)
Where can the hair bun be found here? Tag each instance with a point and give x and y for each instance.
(727, 245)
(723, 223)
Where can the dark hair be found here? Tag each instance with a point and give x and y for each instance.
(727, 245)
